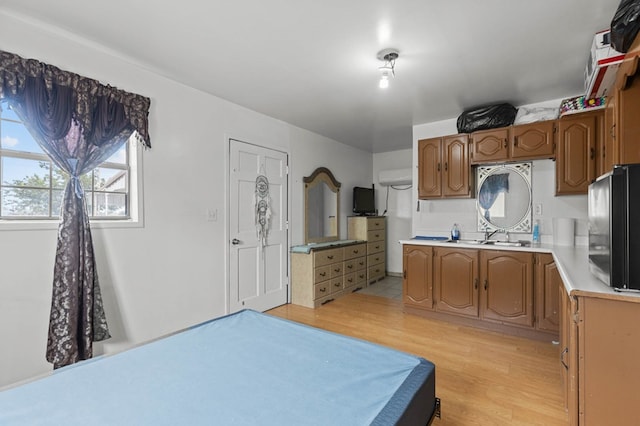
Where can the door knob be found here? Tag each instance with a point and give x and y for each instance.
(235, 241)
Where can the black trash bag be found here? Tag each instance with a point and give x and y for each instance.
(488, 117)
(625, 25)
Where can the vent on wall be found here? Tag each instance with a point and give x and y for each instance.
(395, 177)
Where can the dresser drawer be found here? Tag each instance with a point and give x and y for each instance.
(350, 266)
(375, 247)
(375, 223)
(336, 270)
(350, 280)
(376, 271)
(361, 278)
(375, 235)
(326, 257)
(322, 289)
(376, 258)
(361, 263)
(336, 284)
(322, 273)
(354, 251)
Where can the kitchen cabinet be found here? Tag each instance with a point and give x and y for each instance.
(444, 170)
(490, 145)
(507, 287)
(515, 143)
(600, 347)
(547, 281)
(576, 153)
(456, 281)
(485, 287)
(417, 282)
(532, 141)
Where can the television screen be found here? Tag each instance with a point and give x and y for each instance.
(364, 201)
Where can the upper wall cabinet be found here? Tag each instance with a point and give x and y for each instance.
(521, 142)
(443, 168)
(578, 137)
(531, 141)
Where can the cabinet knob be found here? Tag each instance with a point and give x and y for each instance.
(505, 143)
(446, 166)
(438, 166)
(486, 284)
(475, 283)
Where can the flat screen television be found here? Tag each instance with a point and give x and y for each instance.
(364, 201)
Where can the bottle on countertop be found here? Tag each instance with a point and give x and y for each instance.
(455, 232)
(536, 233)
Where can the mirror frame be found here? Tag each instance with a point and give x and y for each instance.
(523, 225)
(321, 175)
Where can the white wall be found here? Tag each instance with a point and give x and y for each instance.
(399, 207)
(170, 273)
(436, 217)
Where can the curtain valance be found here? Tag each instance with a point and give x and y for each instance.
(90, 99)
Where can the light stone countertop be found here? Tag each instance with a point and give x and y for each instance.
(572, 263)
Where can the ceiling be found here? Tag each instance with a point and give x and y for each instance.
(313, 63)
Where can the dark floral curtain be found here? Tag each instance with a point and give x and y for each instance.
(491, 188)
(79, 123)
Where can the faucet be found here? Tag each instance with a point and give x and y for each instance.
(488, 235)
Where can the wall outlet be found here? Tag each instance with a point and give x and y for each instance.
(212, 215)
(538, 209)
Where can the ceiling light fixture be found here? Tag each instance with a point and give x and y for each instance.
(387, 70)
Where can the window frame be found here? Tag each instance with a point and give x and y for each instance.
(133, 192)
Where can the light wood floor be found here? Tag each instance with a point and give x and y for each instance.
(482, 378)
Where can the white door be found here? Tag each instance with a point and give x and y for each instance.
(258, 254)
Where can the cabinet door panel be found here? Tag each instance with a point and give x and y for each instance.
(536, 140)
(429, 168)
(547, 282)
(456, 281)
(417, 284)
(489, 145)
(507, 288)
(456, 166)
(575, 165)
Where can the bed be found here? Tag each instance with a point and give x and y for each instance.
(246, 368)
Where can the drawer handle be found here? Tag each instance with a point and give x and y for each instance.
(475, 284)
(327, 301)
(377, 235)
(356, 289)
(377, 247)
(361, 276)
(322, 290)
(337, 270)
(350, 280)
(564, 364)
(355, 252)
(337, 284)
(322, 274)
(349, 266)
(330, 257)
(377, 223)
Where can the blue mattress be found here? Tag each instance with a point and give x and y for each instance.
(246, 368)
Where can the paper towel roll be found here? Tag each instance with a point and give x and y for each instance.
(563, 231)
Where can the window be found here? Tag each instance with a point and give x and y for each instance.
(31, 186)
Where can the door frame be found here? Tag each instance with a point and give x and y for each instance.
(227, 208)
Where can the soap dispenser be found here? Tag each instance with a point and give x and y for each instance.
(455, 232)
(536, 233)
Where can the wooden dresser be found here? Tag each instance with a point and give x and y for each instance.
(372, 229)
(321, 273)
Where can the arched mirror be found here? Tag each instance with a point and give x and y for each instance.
(321, 206)
(504, 198)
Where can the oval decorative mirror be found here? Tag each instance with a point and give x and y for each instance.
(504, 198)
(321, 207)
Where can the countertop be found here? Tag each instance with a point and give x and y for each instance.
(572, 263)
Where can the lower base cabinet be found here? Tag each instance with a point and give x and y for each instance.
(417, 288)
(456, 281)
(504, 290)
(599, 353)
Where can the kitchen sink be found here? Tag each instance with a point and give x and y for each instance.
(490, 242)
